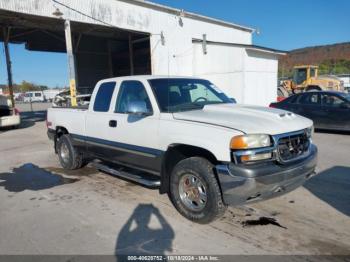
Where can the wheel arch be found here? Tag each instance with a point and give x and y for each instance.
(60, 130)
(174, 154)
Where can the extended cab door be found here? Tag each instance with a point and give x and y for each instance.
(136, 136)
(99, 120)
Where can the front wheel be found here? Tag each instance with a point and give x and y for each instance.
(70, 158)
(195, 192)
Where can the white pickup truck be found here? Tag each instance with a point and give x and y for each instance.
(188, 138)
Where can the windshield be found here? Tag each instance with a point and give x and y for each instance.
(182, 94)
(299, 76)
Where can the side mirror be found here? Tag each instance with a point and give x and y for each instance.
(138, 108)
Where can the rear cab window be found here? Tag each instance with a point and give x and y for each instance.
(104, 96)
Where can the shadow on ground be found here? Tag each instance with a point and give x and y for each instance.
(334, 132)
(35, 116)
(141, 237)
(333, 187)
(31, 177)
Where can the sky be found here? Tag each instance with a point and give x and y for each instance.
(283, 24)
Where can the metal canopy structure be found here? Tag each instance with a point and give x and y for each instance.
(107, 38)
(97, 51)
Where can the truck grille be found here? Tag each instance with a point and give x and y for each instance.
(292, 147)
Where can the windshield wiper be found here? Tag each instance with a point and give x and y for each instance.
(186, 107)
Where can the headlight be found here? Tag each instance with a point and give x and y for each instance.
(250, 141)
(310, 132)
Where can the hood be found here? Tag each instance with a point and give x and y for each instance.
(246, 118)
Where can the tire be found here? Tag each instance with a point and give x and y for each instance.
(202, 212)
(68, 155)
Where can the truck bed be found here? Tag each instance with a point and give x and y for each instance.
(73, 107)
(72, 118)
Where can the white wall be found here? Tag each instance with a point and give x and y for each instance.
(249, 77)
(260, 78)
(173, 57)
(222, 65)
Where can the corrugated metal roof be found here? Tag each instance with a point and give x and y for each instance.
(188, 14)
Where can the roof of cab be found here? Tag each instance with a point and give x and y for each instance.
(146, 77)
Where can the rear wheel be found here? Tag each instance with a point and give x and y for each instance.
(69, 156)
(195, 192)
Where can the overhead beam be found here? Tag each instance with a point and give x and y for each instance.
(24, 33)
(78, 42)
(141, 40)
(71, 64)
(52, 35)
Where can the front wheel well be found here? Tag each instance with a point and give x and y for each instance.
(60, 131)
(174, 155)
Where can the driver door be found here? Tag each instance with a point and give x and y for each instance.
(135, 136)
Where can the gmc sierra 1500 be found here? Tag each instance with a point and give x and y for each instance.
(189, 139)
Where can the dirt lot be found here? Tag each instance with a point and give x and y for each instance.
(46, 210)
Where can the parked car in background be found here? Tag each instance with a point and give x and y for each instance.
(19, 96)
(328, 110)
(34, 96)
(9, 116)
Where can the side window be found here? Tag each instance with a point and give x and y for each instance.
(309, 99)
(331, 100)
(131, 91)
(312, 72)
(104, 96)
(292, 99)
(299, 75)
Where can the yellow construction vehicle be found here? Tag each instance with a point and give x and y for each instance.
(305, 78)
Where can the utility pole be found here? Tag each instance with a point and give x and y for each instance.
(71, 64)
(6, 31)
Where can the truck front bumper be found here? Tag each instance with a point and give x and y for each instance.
(241, 184)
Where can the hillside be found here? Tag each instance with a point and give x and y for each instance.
(332, 59)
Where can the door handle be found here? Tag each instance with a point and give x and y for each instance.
(113, 123)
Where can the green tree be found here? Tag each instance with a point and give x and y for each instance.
(27, 86)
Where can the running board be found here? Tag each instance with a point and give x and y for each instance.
(144, 179)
